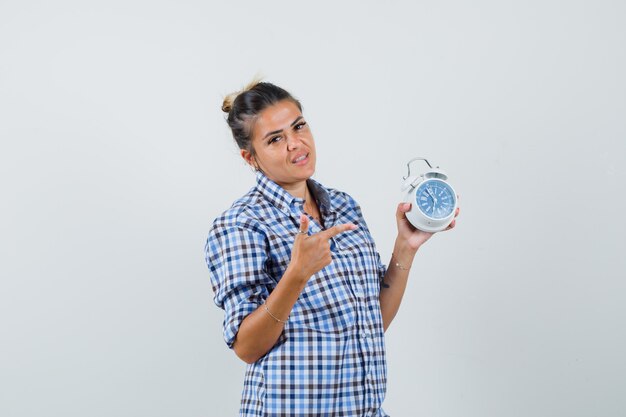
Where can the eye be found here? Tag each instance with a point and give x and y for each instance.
(273, 140)
(300, 126)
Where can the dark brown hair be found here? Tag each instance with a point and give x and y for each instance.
(243, 107)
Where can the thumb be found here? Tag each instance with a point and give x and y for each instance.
(402, 208)
(304, 224)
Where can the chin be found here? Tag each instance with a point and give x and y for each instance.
(310, 172)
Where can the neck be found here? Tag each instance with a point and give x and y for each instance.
(298, 189)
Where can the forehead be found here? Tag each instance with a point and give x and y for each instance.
(278, 116)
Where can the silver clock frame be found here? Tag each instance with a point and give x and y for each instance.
(416, 216)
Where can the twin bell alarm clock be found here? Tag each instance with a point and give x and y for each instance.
(433, 200)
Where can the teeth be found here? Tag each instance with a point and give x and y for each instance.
(299, 159)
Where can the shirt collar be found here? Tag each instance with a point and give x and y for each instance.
(287, 203)
(321, 195)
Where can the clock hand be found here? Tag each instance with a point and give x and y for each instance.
(432, 195)
(434, 200)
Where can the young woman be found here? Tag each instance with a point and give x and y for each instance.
(292, 263)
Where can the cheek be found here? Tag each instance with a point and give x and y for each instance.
(308, 139)
(275, 157)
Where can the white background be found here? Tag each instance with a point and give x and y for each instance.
(115, 158)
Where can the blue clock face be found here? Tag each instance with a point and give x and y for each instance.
(435, 198)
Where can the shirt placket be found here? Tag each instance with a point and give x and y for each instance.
(365, 330)
(296, 209)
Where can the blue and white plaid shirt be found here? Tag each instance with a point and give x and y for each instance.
(330, 358)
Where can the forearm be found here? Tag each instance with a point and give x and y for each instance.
(394, 282)
(259, 331)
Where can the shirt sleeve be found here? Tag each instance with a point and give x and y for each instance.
(236, 257)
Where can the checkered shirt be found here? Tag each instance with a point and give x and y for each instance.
(330, 357)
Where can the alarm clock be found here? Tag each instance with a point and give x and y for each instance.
(433, 200)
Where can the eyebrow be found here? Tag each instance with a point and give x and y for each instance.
(280, 130)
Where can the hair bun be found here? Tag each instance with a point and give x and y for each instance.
(229, 100)
(227, 105)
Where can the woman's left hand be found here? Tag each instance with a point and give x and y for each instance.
(413, 237)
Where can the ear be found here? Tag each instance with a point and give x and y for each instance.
(247, 156)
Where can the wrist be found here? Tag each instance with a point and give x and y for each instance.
(403, 253)
(297, 275)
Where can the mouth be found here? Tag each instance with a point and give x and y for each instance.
(300, 159)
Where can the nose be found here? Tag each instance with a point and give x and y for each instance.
(292, 142)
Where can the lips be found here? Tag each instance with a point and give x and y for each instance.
(300, 158)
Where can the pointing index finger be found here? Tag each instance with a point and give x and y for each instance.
(335, 230)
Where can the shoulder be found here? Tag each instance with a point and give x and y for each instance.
(244, 214)
(341, 200)
(347, 208)
(344, 197)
